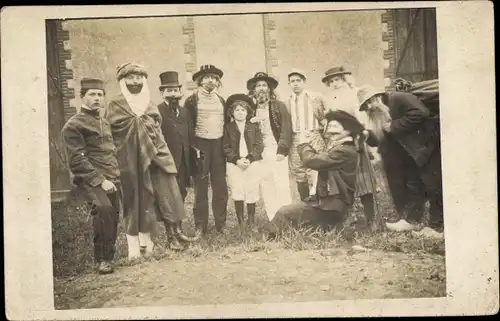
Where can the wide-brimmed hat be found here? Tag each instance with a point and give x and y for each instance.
(271, 82)
(335, 71)
(91, 83)
(128, 68)
(366, 92)
(169, 79)
(348, 121)
(297, 72)
(207, 69)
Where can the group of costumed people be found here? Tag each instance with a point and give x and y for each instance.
(141, 157)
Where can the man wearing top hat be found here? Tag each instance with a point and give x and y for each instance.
(276, 128)
(209, 114)
(176, 127)
(307, 111)
(93, 162)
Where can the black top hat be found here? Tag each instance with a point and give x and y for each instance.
(273, 83)
(169, 79)
(348, 121)
(207, 69)
(92, 83)
(335, 71)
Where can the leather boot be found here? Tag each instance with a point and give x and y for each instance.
(251, 216)
(239, 207)
(303, 189)
(173, 241)
(181, 236)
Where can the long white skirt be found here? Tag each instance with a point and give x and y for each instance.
(274, 182)
(244, 184)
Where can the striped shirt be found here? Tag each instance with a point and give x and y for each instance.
(210, 116)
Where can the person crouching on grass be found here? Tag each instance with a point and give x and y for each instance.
(336, 168)
(92, 160)
(243, 148)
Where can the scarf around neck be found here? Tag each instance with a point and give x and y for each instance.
(138, 103)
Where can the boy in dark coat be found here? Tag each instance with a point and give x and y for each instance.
(92, 160)
(176, 127)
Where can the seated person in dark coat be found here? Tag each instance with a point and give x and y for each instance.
(336, 177)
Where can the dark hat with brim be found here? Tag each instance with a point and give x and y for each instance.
(92, 83)
(169, 79)
(207, 69)
(335, 71)
(348, 121)
(233, 99)
(271, 82)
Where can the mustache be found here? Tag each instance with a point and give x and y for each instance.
(135, 89)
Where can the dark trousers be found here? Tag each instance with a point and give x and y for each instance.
(304, 214)
(213, 165)
(105, 210)
(183, 178)
(431, 175)
(411, 186)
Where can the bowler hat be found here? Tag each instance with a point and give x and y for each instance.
(348, 121)
(366, 92)
(169, 79)
(271, 82)
(92, 83)
(335, 71)
(207, 69)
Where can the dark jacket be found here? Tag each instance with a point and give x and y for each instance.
(253, 139)
(336, 175)
(281, 126)
(90, 149)
(412, 126)
(178, 133)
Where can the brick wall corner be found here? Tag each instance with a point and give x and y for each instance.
(388, 49)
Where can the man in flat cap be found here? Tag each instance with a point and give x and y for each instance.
(209, 114)
(176, 127)
(92, 160)
(276, 128)
(307, 111)
(409, 145)
(336, 181)
(147, 167)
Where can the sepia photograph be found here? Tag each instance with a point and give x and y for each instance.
(245, 158)
(249, 160)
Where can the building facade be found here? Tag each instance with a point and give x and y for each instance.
(365, 42)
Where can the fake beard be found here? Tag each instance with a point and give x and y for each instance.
(173, 100)
(377, 117)
(262, 96)
(134, 89)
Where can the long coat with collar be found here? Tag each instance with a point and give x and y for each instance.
(412, 125)
(178, 132)
(253, 139)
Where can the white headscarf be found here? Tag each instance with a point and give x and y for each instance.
(138, 103)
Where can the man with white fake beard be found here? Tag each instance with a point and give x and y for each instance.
(148, 171)
(409, 145)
